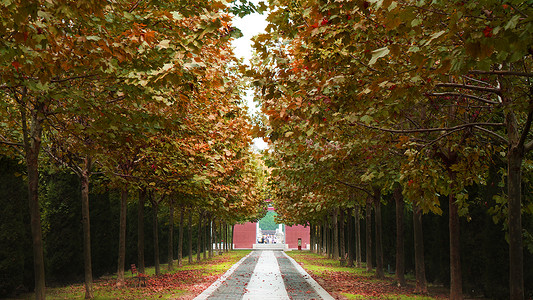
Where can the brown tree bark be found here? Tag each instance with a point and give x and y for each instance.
(368, 223)
(215, 237)
(335, 229)
(189, 227)
(329, 244)
(232, 231)
(400, 252)
(456, 287)
(140, 230)
(85, 174)
(170, 257)
(320, 241)
(357, 237)
(122, 237)
(379, 236)
(225, 232)
(180, 238)
(420, 269)
(515, 156)
(210, 232)
(32, 146)
(155, 230)
(205, 241)
(342, 240)
(199, 237)
(325, 235)
(350, 240)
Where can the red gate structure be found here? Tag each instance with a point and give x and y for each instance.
(245, 235)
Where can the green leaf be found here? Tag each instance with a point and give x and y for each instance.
(512, 23)
(381, 52)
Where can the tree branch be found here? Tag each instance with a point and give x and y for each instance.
(134, 6)
(527, 127)
(501, 72)
(499, 137)
(454, 128)
(5, 142)
(470, 87)
(464, 95)
(355, 187)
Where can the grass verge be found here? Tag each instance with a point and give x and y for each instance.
(185, 282)
(357, 283)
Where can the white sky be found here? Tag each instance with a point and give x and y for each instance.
(250, 26)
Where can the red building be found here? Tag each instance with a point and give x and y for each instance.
(245, 235)
(293, 233)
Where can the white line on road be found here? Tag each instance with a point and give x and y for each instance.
(266, 281)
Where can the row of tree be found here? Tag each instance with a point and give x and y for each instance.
(166, 240)
(145, 94)
(423, 100)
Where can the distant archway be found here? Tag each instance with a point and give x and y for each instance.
(249, 235)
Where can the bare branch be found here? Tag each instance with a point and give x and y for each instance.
(501, 72)
(116, 99)
(470, 87)
(499, 137)
(6, 142)
(355, 187)
(134, 6)
(454, 128)
(476, 80)
(72, 78)
(464, 95)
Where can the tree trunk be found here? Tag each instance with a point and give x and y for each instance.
(342, 241)
(85, 173)
(226, 237)
(232, 231)
(32, 146)
(335, 229)
(220, 238)
(368, 223)
(420, 269)
(155, 225)
(122, 237)
(311, 237)
(140, 230)
(357, 237)
(379, 236)
(320, 241)
(171, 234)
(180, 239)
(325, 236)
(190, 236)
(205, 237)
(199, 239)
(329, 244)
(215, 237)
(456, 287)
(515, 157)
(400, 249)
(350, 239)
(210, 231)
(223, 235)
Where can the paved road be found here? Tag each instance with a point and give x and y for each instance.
(265, 274)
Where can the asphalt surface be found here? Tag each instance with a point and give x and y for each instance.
(265, 275)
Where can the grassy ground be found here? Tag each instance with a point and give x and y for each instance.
(356, 283)
(184, 282)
